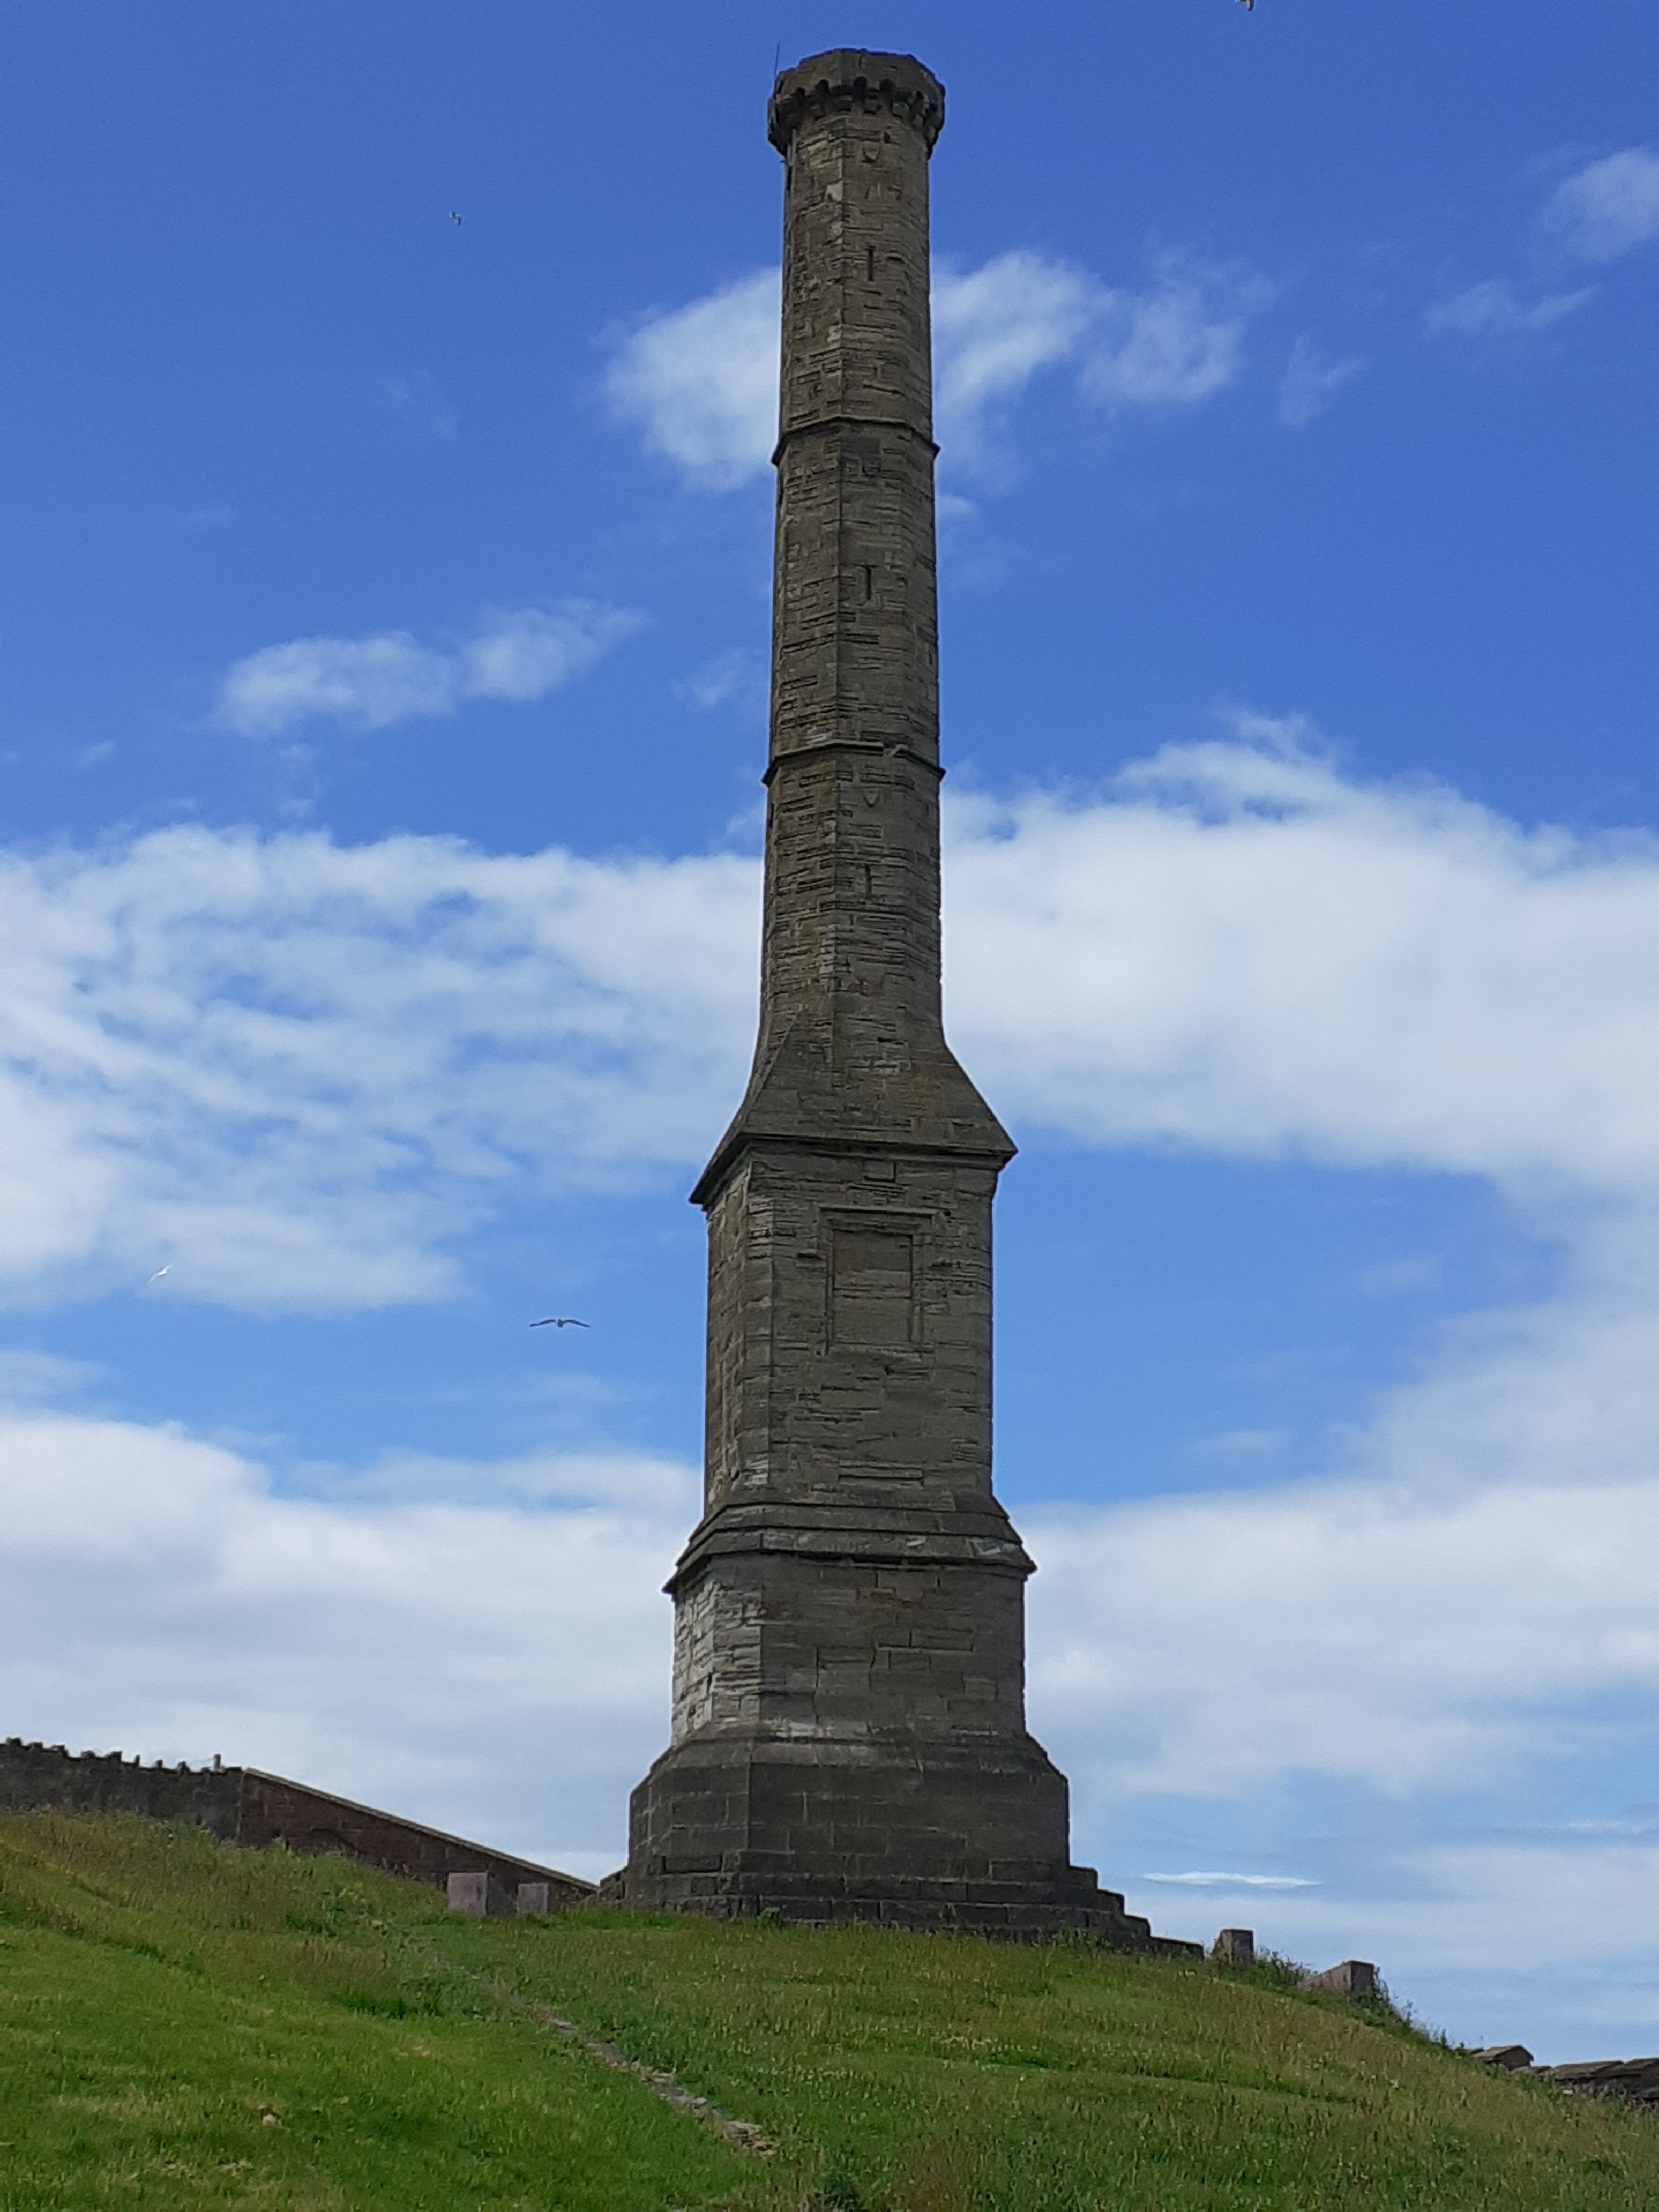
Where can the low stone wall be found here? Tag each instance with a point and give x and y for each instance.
(33, 1775)
(241, 1805)
(1634, 2081)
(275, 1810)
(1353, 1977)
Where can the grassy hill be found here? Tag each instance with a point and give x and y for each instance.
(185, 2025)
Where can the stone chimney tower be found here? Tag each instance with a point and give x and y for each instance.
(849, 1736)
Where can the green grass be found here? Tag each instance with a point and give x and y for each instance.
(182, 2025)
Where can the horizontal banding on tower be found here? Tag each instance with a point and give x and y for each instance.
(849, 1737)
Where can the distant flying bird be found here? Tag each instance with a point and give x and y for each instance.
(1248, 4)
(453, 217)
(157, 1276)
(559, 1321)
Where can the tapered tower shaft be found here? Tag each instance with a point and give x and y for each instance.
(849, 1732)
(851, 1044)
(855, 640)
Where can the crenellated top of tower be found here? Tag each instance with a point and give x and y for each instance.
(848, 77)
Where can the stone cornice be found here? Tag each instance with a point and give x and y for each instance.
(848, 78)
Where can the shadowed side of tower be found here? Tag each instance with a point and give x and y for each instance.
(849, 1736)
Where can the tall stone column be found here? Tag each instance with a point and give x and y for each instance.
(849, 1734)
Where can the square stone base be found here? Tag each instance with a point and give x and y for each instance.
(971, 1837)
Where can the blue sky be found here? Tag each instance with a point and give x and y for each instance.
(384, 622)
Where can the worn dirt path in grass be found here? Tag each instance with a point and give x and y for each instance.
(743, 2135)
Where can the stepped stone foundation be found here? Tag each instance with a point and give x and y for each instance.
(849, 1737)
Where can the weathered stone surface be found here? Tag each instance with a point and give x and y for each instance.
(1631, 2081)
(1634, 2081)
(37, 1775)
(240, 1805)
(480, 1896)
(1235, 1947)
(1354, 1977)
(849, 1736)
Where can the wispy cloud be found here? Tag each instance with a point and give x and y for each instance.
(738, 679)
(1606, 208)
(415, 399)
(1497, 308)
(700, 383)
(994, 328)
(1602, 211)
(1311, 381)
(369, 682)
(1178, 342)
(1234, 1880)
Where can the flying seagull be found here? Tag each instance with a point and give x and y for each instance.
(157, 1276)
(559, 1321)
(453, 217)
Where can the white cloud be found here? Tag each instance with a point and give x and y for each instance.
(1453, 1629)
(1603, 210)
(739, 679)
(1232, 1880)
(368, 682)
(402, 1648)
(700, 382)
(26, 1377)
(295, 1072)
(1366, 1630)
(1496, 308)
(1606, 208)
(1243, 949)
(1175, 345)
(994, 328)
(299, 1073)
(1311, 382)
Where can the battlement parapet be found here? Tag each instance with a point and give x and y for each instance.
(242, 1805)
(848, 77)
(35, 1775)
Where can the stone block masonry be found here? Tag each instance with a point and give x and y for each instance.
(481, 1896)
(1353, 1977)
(34, 1776)
(1630, 2080)
(241, 1805)
(849, 1737)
